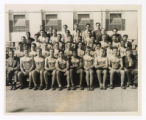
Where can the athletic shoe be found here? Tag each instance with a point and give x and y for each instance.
(111, 87)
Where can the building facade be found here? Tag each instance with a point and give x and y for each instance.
(19, 20)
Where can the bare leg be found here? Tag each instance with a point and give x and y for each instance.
(112, 73)
(71, 77)
(53, 77)
(46, 77)
(104, 78)
(30, 79)
(41, 79)
(87, 78)
(81, 77)
(58, 79)
(34, 77)
(68, 79)
(122, 77)
(91, 79)
(98, 72)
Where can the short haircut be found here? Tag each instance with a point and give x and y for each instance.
(65, 25)
(33, 44)
(87, 24)
(115, 29)
(125, 35)
(98, 23)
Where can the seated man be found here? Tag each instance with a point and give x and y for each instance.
(128, 65)
(45, 52)
(50, 69)
(39, 61)
(12, 68)
(26, 66)
(76, 67)
(116, 66)
(101, 64)
(68, 50)
(88, 66)
(80, 50)
(62, 67)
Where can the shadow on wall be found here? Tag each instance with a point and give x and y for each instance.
(18, 110)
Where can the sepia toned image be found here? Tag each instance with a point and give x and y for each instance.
(72, 58)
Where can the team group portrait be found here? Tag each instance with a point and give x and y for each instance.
(71, 53)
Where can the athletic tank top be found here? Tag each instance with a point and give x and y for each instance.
(62, 64)
(27, 63)
(39, 62)
(115, 62)
(51, 62)
(88, 60)
(75, 62)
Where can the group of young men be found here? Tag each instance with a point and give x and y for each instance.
(65, 58)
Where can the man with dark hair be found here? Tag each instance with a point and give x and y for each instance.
(19, 51)
(33, 50)
(86, 32)
(128, 63)
(12, 67)
(26, 67)
(88, 66)
(62, 67)
(67, 37)
(29, 39)
(101, 65)
(50, 69)
(76, 67)
(97, 32)
(39, 62)
(115, 32)
(80, 50)
(116, 66)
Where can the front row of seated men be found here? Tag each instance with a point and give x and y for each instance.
(39, 69)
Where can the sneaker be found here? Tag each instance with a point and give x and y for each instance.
(111, 87)
(123, 87)
(81, 87)
(91, 88)
(41, 87)
(60, 88)
(35, 88)
(68, 88)
(104, 88)
(73, 87)
(46, 88)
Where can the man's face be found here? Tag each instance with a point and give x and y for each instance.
(88, 51)
(92, 39)
(51, 52)
(39, 52)
(33, 47)
(75, 26)
(11, 54)
(122, 43)
(125, 38)
(74, 53)
(58, 37)
(110, 44)
(54, 31)
(103, 37)
(102, 52)
(114, 38)
(23, 39)
(28, 34)
(65, 27)
(87, 27)
(61, 54)
(56, 46)
(25, 52)
(98, 46)
(98, 25)
(68, 45)
(80, 45)
(115, 52)
(42, 33)
(115, 31)
(67, 32)
(128, 53)
(103, 31)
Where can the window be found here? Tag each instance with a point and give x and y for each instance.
(82, 20)
(115, 21)
(19, 24)
(51, 20)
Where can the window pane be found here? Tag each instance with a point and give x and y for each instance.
(51, 19)
(83, 16)
(19, 20)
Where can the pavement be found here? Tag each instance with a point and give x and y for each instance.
(110, 100)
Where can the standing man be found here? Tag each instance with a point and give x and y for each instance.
(101, 65)
(26, 67)
(116, 66)
(62, 67)
(39, 69)
(118, 36)
(88, 66)
(33, 50)
(50, 69)
(97, 33)
(76, 67)
(19, 52)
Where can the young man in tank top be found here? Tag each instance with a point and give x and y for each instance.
(50, 69)
(39, 69)
(62, 67)
(26, 67)
(88, 66)
(116, 66)
(76, 67)
(101, 65)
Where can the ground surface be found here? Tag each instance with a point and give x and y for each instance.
(26, 100)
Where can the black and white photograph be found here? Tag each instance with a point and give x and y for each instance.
(72, 58)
